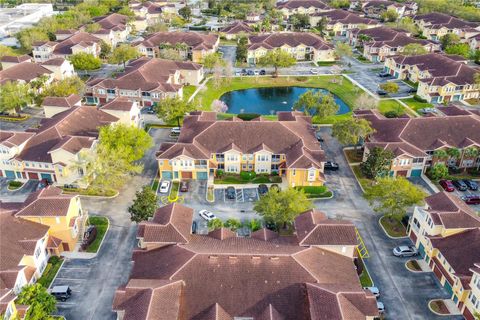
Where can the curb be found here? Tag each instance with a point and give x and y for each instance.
(104, 236)
(434, 312)
(19, 188)
(391, 237)
(414, 271)
(98, 197)
(206, 196)
(58, 271)
(324, 198)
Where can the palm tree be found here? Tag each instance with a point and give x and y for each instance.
(440, 154)
(471, 153)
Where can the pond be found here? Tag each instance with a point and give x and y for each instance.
(267, 101)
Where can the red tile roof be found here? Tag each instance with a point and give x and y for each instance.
(292, 39)
(25, 71)
(197, 41)
(295, 4)
(46, 202)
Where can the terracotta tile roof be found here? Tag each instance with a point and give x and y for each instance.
(119, 103)
(25, 71)
(152, 8)
(292, 39)
(237, 27)
(344, 17)
(46, 202)
(146, 74)
(461, 250)
(438, 20)
(12, 138)
(425, 134)
(197, 41)
(18, 237)
(77, 125)
(54, 62)
(53, 242)
(66, 102)
(295, 4)
(314, 228)
(16, 59)
(293, 137)
(6, 297)
(65, 47)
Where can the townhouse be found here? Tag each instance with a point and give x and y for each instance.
(114, 28)
(199, 274)
(382, 42)
(446, 232)
(10, 61)
(375, 8)
(146, 81)
(303, 46)
(233, 30)
(146, 13)
(25, 71)
(415, 142)
(338, 22)
(441, 78)
(56, 150)
(54, 105)
(76, 43)
(286, 147)
(308, 7)
(435, 25)
(8, 308)
(192, 46)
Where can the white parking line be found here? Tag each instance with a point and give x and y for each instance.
(70, 279)
(76, 268)
(65, 304)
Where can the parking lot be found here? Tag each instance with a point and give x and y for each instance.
(369, 79)
(241, 195)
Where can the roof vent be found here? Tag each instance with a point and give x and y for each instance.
(274, 258)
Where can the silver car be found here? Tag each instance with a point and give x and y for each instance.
(405, 251)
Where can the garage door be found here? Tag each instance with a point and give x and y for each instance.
(46, 176)
(448, 287)
(187, 175)
(167, 175)
(202, 176)
(416, 173)
(402, 173)
(10, 174)
(421, 250)
(33, 176)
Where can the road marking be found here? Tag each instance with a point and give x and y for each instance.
(76, 268)
(70, 279)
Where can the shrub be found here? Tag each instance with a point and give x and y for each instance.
(392, 114)
(438, 171)
(15, 184)
(248, 116)
(276, 179)
(220, 173)
(247, 175)
(232, 224)
(419, 99)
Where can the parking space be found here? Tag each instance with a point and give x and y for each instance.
(75, 274)
(370, 79)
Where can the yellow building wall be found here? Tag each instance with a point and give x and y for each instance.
(300, 178)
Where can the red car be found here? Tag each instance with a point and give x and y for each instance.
(472, 199)
(447, 185)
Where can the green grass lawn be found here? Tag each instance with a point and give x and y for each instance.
(188, 91)
(393, 227)
(91, 191)
(236, 179)
(102, 225)
(54, 263)
(155, 184)
(415, 105)
(365, 279)
(391, 105)
(174, 192)
(354, 156)
(364, 182)
(313, 192)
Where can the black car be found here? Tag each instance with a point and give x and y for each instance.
(61, 293)
(89, 236)
(332, 166)
(262, 189)
(412, 90)
(230, 193)
(381, 92)
(319, 137)
(472, 185)
(250, 73)
(194, 227)
(460, 185)
(384, 74)
(263, 72)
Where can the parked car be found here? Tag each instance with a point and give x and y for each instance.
(412, 90)
(250, 73)
(472, 185)
(43, 184)
(263, 72)
(62, 293)
(318, 136)
(256, 72)
(150, 110)
(183, 186)
(89, 236)
(314, 71)
(175, 131)
(262, 189)
(373, 290)
(230, 193)
(194, 227)
(380, 307)
(384, 74)
(460, 185)
(427, 110)
(405, 251)
(471, 199)
(164, 186)
(207, 215)
(381, 92)
(447, 185)
(332, 166)
(243, 72)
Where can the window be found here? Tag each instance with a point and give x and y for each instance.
(311, 175)
(111, 91)
(417, 160)
(276, 157)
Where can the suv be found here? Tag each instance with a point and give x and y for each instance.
(384, 74)
(472, 185)
(89, 236)
(61, 293)
(460, 185)
(262, 189)
(329, 165)
(230, 193)
(471, 199)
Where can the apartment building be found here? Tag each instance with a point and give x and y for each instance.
(338, 22)
(54, 105)
(10, 61)
(382, 42)
(375, 8)
(446, 232)
(204, 271)
(286, 147)
(308, 7)
(435, 25)
(441, 78)
(145, 81)
(192, 46)
(414, 141)
(234, 29)
(23, 70)
(114, 28)
(303, 46)
(55, 150)
(76, 43)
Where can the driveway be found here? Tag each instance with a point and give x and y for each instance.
(94, 281)
(404, 294)
(229, 53)
(18, 195)
(36, 114)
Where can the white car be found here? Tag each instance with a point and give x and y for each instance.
(207, 215)
(373, 290)
(380, 307)
(175, 131)
(164, 186)
(314, 71)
